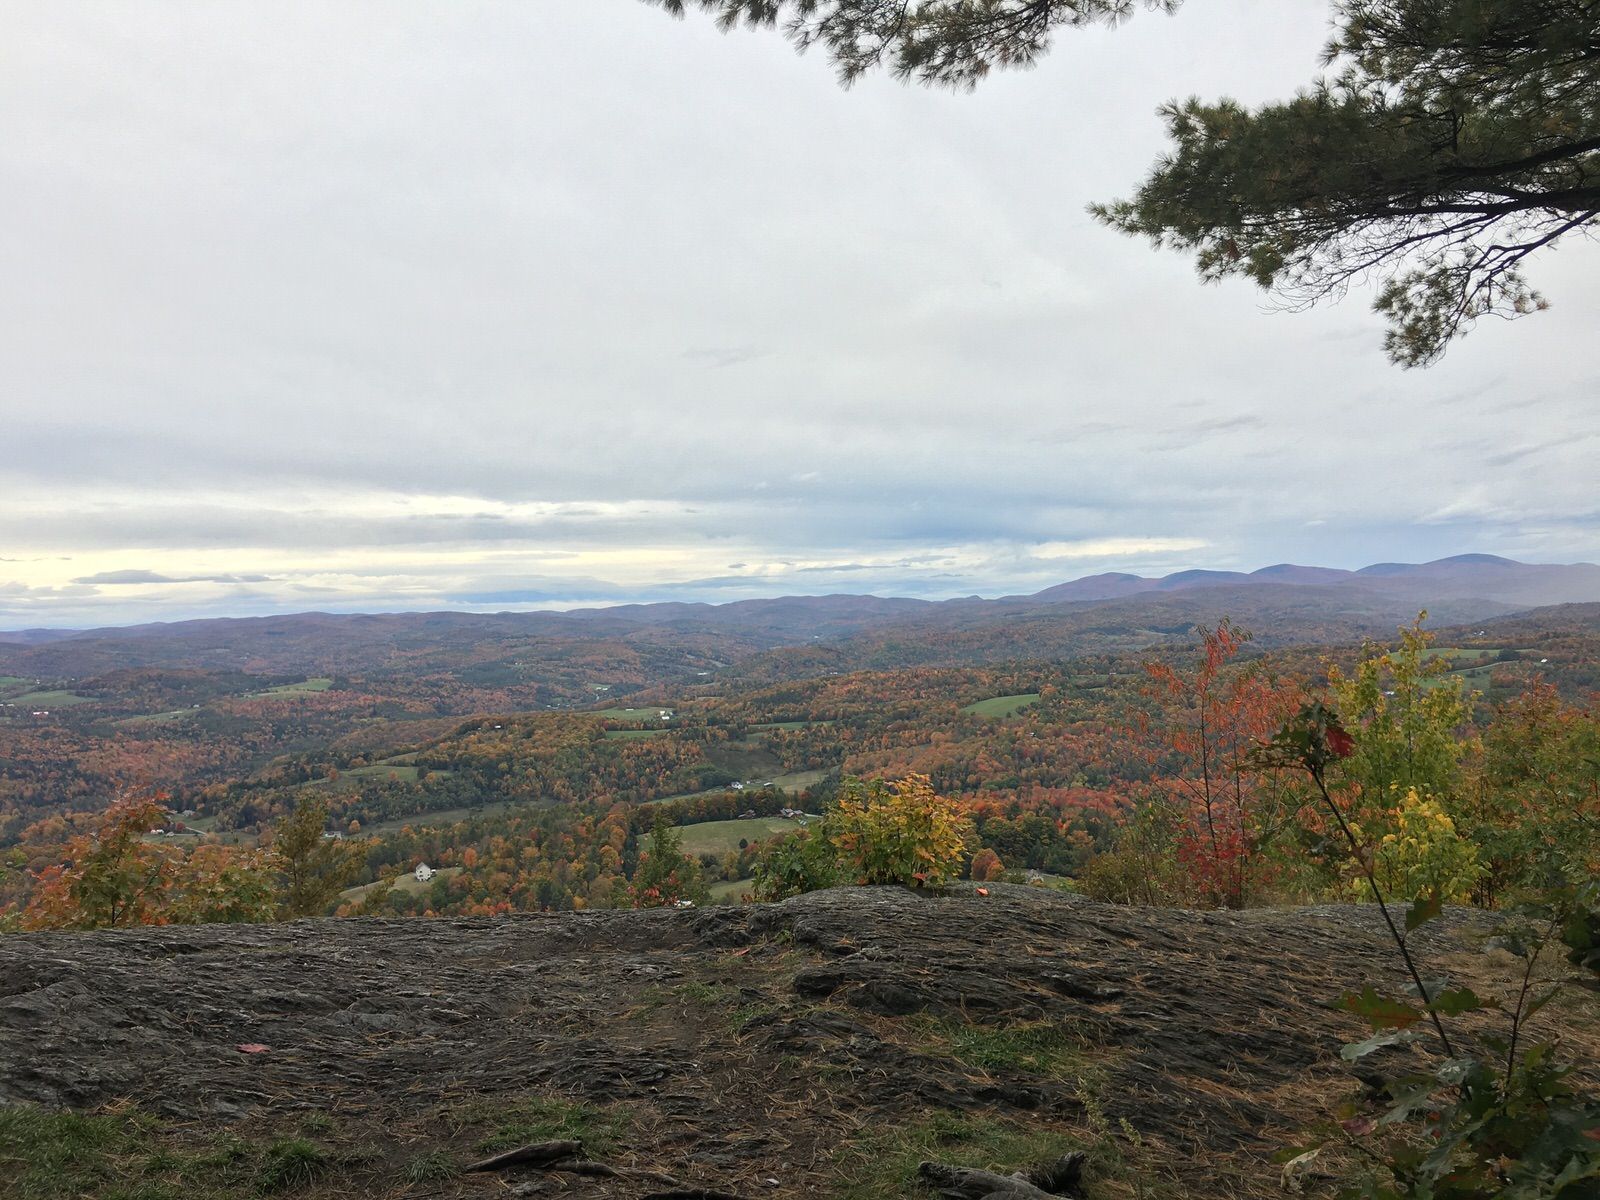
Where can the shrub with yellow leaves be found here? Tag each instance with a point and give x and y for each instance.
(1422, 853)
(903, 832)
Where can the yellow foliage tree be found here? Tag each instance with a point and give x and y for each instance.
(1422, 853)
(903, 833)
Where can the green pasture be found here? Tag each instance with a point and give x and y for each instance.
(718, 837)
(404, 772)
(304, 687)
(1002, 706)
(646, 712)
(439, 816)
(160, 718)
(794, 781)
(50, 699)
(731, 891)
(797, 781)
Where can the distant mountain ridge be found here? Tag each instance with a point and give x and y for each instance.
(1475, 576)
(1281, 603)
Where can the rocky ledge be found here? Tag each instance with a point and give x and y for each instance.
(816, 1047)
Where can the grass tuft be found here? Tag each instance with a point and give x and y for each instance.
(885, 1163)
(519, 1121)
(1035, 1048)
(48, 1155)
(291, 1163)
(433, 1166)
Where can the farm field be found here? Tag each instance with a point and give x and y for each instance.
(304, 687)
(407, 883)
(731, 891)
(440, 816)
(51, 699)
(404, 772)
(1462, 652)
(1475, 665)
(1002, 706)
(798, 781)
(718, 837)
(176, 714)
(634, 734)
(645, 712)
(794, 781)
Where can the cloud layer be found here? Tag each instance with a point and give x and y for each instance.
(496, 304)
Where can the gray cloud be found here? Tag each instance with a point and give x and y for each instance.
(508, 325)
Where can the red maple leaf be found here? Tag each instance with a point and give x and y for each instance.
(1340, 743)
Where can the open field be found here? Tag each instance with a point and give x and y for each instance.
(404, 772)
(299, 689)
(439, 816)
(160, 718)
(53, 699)
(407, 883)
(1477, 662)
(718, 837)
(731, 891)
(633, 734)
(1461, 652)
(1476, 678)
(645, 712)
(789, 725)
(794, 781)
(798, 781)
(1002, 706)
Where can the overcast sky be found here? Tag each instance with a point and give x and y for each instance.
(523, 303)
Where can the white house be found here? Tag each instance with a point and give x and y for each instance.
(424, 872)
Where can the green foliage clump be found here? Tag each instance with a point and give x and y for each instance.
(1142, 865)
(953, 42)
(1498, 1119)
(665, 875)
(1407, 715)
(1457, 139)
(877, 833)
(313, 869)
(806, 861)
(1533, 806)
(903, 833)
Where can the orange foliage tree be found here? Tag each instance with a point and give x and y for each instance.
(115, 877)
